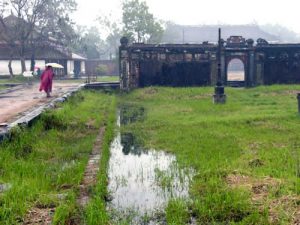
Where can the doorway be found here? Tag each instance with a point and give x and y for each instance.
(236, 71)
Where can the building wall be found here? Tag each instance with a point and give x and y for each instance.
(70, 67)
(195, 65)
(16, 66)
(166, 65)
(40, 63)
(82, 67)
(4, 67)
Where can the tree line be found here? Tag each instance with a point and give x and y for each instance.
(31, 24)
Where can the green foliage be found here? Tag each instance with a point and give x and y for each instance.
(102, 70)
(114, 31)
(177, 212)
(89, 42)
(63, 213)
(139, 24)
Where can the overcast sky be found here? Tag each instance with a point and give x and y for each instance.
(195, 12)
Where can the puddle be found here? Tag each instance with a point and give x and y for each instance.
(143, 181)
(5, 187)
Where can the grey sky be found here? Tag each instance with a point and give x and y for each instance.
(194, 12)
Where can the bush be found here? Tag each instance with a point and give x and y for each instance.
(102, 70)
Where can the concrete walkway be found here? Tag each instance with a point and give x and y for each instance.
(15, 102)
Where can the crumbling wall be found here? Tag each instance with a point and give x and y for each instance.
(282, 65)
(182, 65)
(167, 65)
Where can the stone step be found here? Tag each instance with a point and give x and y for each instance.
(236, 83)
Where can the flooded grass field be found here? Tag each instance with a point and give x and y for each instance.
(168, 156)
(243, 153)
(141, 181)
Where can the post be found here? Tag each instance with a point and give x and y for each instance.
(219, 96)
(298, 98)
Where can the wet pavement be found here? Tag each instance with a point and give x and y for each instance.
(16, 101)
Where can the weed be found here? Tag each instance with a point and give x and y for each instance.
(45, 163)
(251, 134)
(53, 121)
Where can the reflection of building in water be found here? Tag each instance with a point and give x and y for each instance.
(130, 145)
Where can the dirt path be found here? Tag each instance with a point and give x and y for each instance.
(22, 99)
(39, 216)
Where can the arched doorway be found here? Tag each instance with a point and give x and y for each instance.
(236, 71)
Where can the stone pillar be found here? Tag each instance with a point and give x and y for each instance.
(298, 98)
(124, 64)
(213, 71)
(223, 68)
(219, 96)
(251, 69)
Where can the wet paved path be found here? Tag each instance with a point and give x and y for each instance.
(16, 101)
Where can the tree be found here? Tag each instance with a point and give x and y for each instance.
(139, 24)
(33, 20)
(90, 43)
(284, 34)
(113, 32)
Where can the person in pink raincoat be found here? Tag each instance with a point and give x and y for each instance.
(46, 81)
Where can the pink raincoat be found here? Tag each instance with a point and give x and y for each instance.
(46, 80)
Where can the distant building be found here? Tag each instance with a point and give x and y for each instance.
(44, 51)
(197, 34)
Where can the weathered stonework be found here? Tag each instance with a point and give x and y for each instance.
(196, 64)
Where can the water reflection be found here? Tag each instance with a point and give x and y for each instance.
(141, 181)
(130, 145)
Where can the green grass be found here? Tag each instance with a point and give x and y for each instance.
(18, 79)
(255, 134)
(95, 212)
(50, 158)
(92, 79)
(107, 78)
(259, 124)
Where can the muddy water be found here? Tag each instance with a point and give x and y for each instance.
(143, 181)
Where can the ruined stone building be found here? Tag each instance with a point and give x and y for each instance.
(196, 64)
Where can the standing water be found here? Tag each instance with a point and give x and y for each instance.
(142, 182)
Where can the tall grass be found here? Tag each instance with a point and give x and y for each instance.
(49, 158)
(95, 212)
(255, 125)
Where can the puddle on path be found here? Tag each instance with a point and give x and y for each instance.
(143, 181)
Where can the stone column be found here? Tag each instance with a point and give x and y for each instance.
(219, 97)
(124, 64)
(251, 69)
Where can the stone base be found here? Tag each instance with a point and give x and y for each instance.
(219, 99)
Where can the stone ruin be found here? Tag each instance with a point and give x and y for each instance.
(181, 65)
